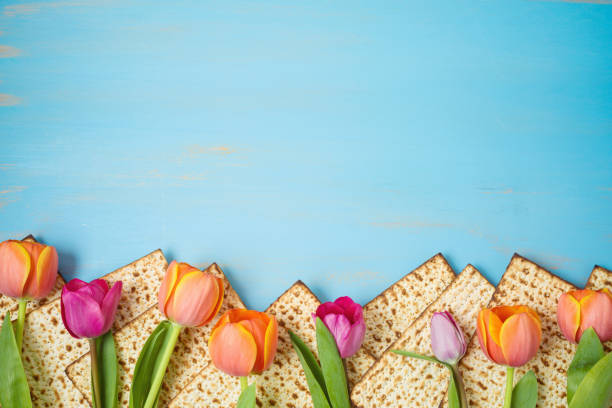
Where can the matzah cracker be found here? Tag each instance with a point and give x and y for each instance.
(8, 304)
(524, 283)
(389, 314)
(190, 355)
(48, 348)
(283, 385)
(397, 381)
(601, 278)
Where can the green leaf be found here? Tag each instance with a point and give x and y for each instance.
(332, 367)
(107, 367)
(595, 390)
(314, 375)
(588, 353)
(14, 389)
(525, 392)
(453, 391)
(421, 357)
(247, 397)
(145, 366)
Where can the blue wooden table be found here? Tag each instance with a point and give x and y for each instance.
(342, 143)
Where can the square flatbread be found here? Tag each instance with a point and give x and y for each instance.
(389, 314)
(190, 355)
(8, 304)
(524, 283)
(48, 348)
(397, 381)
(284, 384)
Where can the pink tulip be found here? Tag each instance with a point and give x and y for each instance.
(28, 270)
(447, 339)
(344, 319)
(580, 309)
(88, 309)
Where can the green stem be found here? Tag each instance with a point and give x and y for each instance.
(20, 323)
(460, 387)
(509, 384)
(244, 382)
(96, 389)
(166, 352)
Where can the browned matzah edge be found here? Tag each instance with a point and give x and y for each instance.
(391, 286)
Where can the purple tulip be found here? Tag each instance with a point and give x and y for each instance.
(447, 339)
(88, 309)
(344, 319)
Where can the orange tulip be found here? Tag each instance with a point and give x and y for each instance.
(27, 269)
(188, 296)
(243, 342)
(509, 335)
(580, 309)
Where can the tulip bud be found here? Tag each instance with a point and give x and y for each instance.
(447, 339)
(344, 319)
(189, 296)
(509, 335)
(27, 269)
(88, 309)
(243, 342)
(580, 309)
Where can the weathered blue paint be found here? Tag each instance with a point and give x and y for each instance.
(341, 143)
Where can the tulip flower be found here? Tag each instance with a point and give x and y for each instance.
(510, 336)
(447, 339)
(28, 270)
(188, 297)
(344, 319)
(88, 311)
(580, 309)
(243, 342)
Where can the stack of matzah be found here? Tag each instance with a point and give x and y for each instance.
(190, 355)
(284, 384)
(48, 348)
(397, 381)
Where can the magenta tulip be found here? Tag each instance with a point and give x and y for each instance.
(344, 319)
(88, 309)
(447, 339)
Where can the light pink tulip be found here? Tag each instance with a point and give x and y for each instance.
(447, 339)
(88, 309)
(344, 319)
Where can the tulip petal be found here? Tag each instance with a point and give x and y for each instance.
(270, 343)
(447, 341)
(110, 303)
(167, 286)
(220, 297)
(14, 268)
(232, 349)
(82, 314)
(494, 348)
(75, 284)
(568, 316)
(63, 312)
(352, 341)
(257, 328)
(352, 310)
(596, 312)
(46, 272)
(327, 308)
(195, 296)
(520, 339)
(96, 290)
